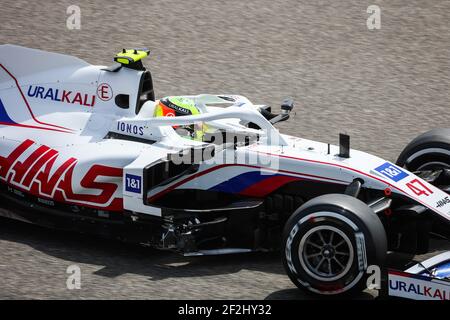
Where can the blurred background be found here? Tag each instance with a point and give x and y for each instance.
(383, 87)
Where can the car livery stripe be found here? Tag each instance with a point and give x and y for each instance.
(54, 127)
(267, 186)
(254, 183)
(181, 182)
(299, 175)
(409, 275)
(4, 117)
(241, 182)
(30, 127)
(331, 164)
(357, 171)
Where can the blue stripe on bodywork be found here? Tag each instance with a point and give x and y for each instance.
(240, 182)
(4, 117)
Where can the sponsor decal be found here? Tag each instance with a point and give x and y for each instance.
(180, 109)
(442, 202)
(417, 287)
(104, 91)
(391, 172)
(133, 183)
(130, 128)
(60, 95)
(419, 188)
(38, 174)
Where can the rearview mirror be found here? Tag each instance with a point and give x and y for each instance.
(287, 105)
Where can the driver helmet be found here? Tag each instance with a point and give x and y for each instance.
(180, 106)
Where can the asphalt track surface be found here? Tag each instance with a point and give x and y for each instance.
(383, 87)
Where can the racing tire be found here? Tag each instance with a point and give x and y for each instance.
(429, 151)
(329, 242)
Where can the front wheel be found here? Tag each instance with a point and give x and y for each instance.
(429, 151)
(330, 241)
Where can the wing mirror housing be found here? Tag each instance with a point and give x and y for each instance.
(287, 105)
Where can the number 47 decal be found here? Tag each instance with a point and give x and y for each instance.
(419, 188)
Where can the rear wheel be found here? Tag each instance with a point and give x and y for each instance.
(330, 241)
(429, 151)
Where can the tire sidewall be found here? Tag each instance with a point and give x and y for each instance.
(427, 154)
(429, 147)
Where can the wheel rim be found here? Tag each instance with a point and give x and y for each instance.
(326, 253)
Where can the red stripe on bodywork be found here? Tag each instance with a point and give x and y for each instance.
(31, 127)
(354, 170)
(267, 186)
(329, 164)
(199, 174)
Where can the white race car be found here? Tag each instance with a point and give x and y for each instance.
(87, 148)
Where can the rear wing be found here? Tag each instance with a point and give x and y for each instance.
(23, 62)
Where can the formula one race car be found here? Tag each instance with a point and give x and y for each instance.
(88, 148)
